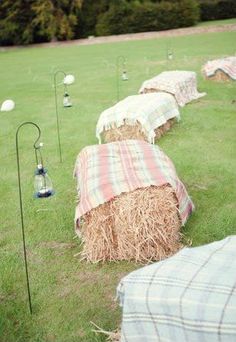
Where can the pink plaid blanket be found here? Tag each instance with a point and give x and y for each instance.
(182, 84)
(227, 65)
(105, 171)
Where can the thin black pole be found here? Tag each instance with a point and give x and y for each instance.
(56, 106)
(167, 55)
(21, 205)
(118, 60)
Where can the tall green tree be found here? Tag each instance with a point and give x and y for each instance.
(29, 21)
(89, 14)
(16, 22)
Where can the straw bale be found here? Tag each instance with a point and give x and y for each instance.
(134, 132)
(154, 90)
(219, 76)
(164, 128)
(140, 225)
(124, 132)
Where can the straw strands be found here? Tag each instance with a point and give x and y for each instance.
(140, 225)
(124, 132)
(112, 336)
(134, 132)
(219, 76)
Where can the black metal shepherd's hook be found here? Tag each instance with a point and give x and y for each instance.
(37, 149)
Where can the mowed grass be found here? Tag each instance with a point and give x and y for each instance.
(68, 294)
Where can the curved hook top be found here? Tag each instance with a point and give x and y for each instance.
(36, 148)
(56, 73)
(121, 57)
(30, 123)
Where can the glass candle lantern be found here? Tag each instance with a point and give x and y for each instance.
(42, 183)
(66, 100)
(124, 76)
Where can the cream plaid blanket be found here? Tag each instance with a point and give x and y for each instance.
(107, 170)
(181, 84)
(150, 110)
(189, 297)
(227, 65)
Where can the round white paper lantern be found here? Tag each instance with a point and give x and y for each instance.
(7, 106)
(69, 79)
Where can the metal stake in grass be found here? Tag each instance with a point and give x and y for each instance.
(120, 61)
(68, 79)
(169, 54)
(43, 187)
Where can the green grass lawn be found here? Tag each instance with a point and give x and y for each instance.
(217, 22)
(67, 294)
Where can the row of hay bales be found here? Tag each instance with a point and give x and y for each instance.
(131, 202)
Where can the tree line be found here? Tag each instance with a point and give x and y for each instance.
(36, 21)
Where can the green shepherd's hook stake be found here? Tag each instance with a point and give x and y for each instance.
(57, 117)
(21, 202)
(43, 186)
(68, 79)
(124, 77)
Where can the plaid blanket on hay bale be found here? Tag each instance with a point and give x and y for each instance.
(131, 202)
(190, 297)
(223, 69)
(143, 117)
(181, 84)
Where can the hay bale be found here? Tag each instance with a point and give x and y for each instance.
(125, 132)
(220, 70)
(181, 84)
(141, 225)
(132, 203)
(219, 76)
(137, 117)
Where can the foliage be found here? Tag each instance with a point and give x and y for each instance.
(24, 22)
(127, 17)
(88, 16)
(13, 13)
(217, 9)
(116, 20)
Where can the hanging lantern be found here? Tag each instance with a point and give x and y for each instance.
(124, 76)
(66, 100)
(170, 55)
(42, 183)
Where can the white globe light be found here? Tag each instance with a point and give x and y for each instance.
(7, 106)
(69, 79)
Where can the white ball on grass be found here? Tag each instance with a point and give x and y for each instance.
(7, 106)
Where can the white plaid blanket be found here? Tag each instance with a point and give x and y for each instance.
(190, 297)
(181, 84)
(105, 171)
(150, 110)
(227, 65)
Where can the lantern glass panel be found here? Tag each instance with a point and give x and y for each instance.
(42, 183)
(124, 76)
(67, 100)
